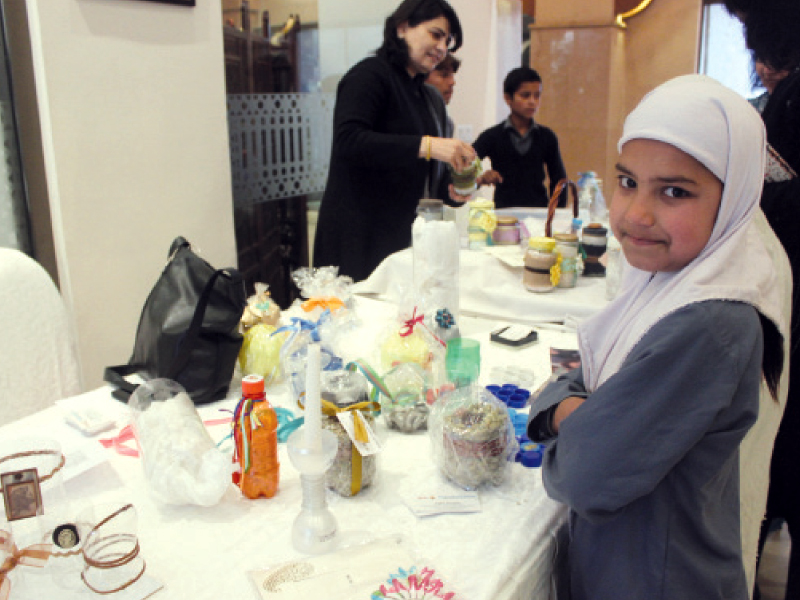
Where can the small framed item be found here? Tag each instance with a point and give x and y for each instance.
(515, 336)
(21, 494)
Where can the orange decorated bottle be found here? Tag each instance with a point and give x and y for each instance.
(255, 435)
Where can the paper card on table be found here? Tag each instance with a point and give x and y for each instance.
(513, 255)
(354, 572)
(440, 498)
(372, 446)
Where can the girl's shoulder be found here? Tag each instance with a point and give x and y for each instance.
(723, 327)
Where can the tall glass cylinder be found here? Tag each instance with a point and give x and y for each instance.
(436, 250)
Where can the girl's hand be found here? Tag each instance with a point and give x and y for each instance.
(456, 153)
(490, 177)
(565, 408)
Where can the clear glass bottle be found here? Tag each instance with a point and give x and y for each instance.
(567, 249)
(431, 209)
(539, 261)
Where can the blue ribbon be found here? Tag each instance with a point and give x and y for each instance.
(299, 325)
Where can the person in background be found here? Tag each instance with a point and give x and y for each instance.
(520, 148)
(443, 78)
(389, 149)
(644, 438)
(768, 78)
(771, 33)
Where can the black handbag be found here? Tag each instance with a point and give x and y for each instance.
(189, 328)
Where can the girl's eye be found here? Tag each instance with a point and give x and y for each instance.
(676, 192)
(626, 182)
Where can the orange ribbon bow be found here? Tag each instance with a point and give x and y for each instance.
(333, 304)
(35, 555)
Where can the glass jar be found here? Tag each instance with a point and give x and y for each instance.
(350, 472)
(594, 244)
(482, 222)
(540, 259)
(507, 231)
(431, 209)
(567, 250)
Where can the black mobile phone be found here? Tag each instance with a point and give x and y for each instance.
(515, 336)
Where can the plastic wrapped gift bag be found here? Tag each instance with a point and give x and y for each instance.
(472, 437)
(182, 465)
(355, 465)
(261, 352)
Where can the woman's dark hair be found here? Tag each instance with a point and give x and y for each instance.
(770, 30)
(394, 49)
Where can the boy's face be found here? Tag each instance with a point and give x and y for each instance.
(664, 206)
(525, 101)
(444, 80)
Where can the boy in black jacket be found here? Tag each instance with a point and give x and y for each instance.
(520, 148)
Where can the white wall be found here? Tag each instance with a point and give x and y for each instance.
(132, 104)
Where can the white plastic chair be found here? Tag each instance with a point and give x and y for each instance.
(38, 359)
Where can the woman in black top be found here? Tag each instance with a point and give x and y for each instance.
(771, 33)
(388, 145)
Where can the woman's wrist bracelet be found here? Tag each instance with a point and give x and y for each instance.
(428, 151)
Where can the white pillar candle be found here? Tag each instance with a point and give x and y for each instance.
(313, 409)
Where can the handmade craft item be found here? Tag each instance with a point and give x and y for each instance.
(471, 437)
(255, 435)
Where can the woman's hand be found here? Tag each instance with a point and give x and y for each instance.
(456, 153)
(455, 197)
(490, 177)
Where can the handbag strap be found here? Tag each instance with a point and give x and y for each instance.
(115, 375)
(187, 343)
(551, 206)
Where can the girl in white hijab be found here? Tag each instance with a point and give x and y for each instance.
(646, 435)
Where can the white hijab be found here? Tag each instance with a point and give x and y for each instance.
(717, 127)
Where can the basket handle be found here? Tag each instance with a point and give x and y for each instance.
(551, 206)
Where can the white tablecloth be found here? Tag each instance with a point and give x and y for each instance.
(503, 552)
(492, 288)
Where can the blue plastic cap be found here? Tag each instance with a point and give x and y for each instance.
(517, 400)
(531, 458)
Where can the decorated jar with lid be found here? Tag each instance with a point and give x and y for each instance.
(507, 231)
(541, 272)
(482, 222)
(567, 257)
(594, 242)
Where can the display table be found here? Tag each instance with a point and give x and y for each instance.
(505, 551)
(491, 287)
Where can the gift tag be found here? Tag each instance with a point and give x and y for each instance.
(372, 445)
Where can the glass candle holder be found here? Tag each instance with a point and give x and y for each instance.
(110, 547)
